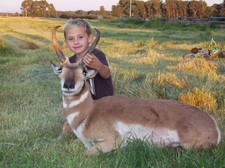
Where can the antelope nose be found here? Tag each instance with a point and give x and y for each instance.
(68, 85)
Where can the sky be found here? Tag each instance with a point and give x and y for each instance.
(72, 5)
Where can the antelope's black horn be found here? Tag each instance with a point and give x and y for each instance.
(94, 44)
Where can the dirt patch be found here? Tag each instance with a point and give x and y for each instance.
(21, 43)
(27, 45)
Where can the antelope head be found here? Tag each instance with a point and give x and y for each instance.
(72, 75)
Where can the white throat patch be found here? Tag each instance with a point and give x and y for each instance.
(75, 102)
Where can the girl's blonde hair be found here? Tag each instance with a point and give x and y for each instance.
(79, 22)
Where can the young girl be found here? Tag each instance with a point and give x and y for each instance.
(78, 36)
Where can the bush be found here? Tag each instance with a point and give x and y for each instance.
(201, 98)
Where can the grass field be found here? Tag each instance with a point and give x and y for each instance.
(146, 62)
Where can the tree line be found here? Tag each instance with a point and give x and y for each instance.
(148, 9)
(168, 9)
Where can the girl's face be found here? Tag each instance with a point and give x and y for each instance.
(78, 40)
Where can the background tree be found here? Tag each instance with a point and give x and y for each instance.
(117, 11)
(138, 9)
(102, 11)
(154, 8)
(197, 9)
(38, 8)
(203, 9)
(148, 8)
(125, 6)
(51, 12)
(193, 8)
(92, 13)
(81, 13)
(182, 8)
(171, 7)
(43, 8)
(26, 7)
(222, 10)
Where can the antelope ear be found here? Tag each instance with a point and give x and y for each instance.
(57, 70)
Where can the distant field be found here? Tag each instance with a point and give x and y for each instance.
(146, 62)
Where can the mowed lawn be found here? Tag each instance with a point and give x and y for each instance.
(146, 61)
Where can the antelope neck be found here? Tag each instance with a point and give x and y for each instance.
(74, 107)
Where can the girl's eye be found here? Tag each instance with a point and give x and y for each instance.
(70, 39)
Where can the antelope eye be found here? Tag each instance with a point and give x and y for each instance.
(59, 69)
(84, 72)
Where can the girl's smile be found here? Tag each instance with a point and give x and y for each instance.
(78, 40)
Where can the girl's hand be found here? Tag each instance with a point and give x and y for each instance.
(92, 61)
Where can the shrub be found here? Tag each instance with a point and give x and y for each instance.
(201, 98)
(166, 79)
(198, 66)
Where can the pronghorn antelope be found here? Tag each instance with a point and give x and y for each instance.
(109, 122)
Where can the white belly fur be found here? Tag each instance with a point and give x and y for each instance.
(157, 136)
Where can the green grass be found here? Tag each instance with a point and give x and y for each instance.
(146, 62)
